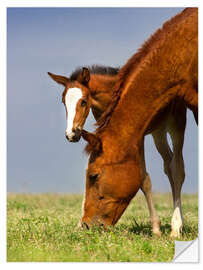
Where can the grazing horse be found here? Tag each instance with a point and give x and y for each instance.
(164, 70)
(98, 96)
(101, 83)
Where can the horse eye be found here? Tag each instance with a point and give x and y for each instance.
(83, 103)
(93, 178)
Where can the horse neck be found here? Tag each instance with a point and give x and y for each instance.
(101, 89)
(148, 90)
(131, 120)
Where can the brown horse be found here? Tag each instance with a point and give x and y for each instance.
(96, 94)
(101, 83)
(163, 70)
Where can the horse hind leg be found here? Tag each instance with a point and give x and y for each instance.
(147, 190)
(177, 131)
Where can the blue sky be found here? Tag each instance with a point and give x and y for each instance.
(40, 159)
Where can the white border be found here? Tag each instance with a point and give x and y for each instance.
(3, 142)
(100, 3)
(71, 3)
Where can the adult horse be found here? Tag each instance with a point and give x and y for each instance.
(98, 95)
(96, 85)
(167, 70)
(100, 86)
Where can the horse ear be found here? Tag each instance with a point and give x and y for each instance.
(94, 142)
(84, 76)
(59, 79)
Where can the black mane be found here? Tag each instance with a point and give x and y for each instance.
(95, 69)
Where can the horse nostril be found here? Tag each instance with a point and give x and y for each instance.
(74, 138)
(85, 226)
(77, 132)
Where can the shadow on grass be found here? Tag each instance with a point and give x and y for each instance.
(146, 229)
(141, 228)
(189, 230)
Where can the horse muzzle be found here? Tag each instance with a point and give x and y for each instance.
(74, 136)
(93, 223)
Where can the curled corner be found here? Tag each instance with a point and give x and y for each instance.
(186, 251)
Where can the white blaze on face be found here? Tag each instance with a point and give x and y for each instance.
(71, 100)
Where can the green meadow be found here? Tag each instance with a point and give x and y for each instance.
(43, 228)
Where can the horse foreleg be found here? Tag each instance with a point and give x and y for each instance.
(147, 190)
(161, 143)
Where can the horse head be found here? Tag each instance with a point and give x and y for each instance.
(109, 186)
(77, 101)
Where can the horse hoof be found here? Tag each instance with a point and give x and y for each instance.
(175, 234)
(156, 232)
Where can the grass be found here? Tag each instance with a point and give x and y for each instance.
(43, 228)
